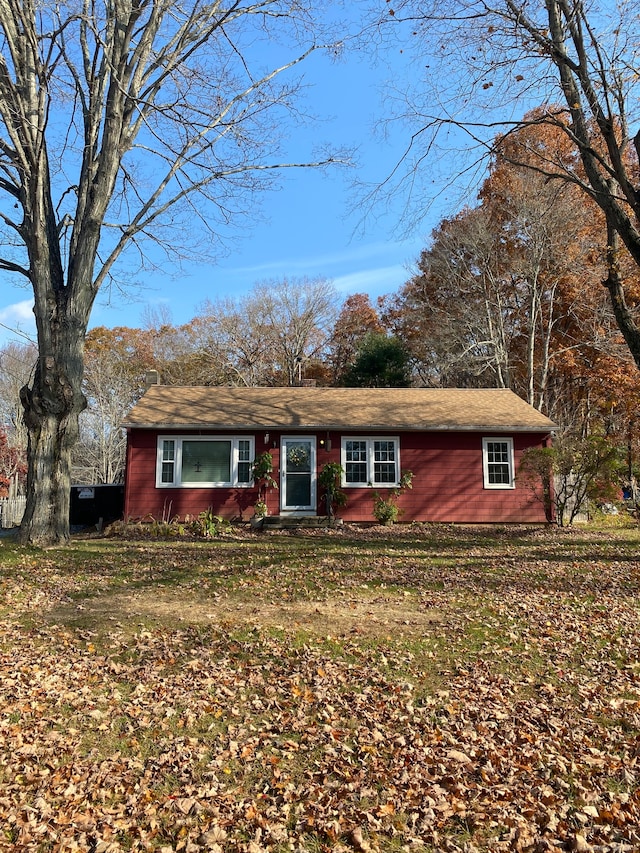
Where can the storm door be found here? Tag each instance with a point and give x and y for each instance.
(298, 475)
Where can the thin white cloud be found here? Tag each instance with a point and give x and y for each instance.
(17, 322)
(17, 312)
(375, 282)
(404, 252)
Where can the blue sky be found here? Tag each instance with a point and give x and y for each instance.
(306, 229)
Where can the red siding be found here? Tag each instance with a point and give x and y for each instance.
(447, 483)
(142, 498)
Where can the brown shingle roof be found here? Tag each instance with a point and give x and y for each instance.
(223, 407)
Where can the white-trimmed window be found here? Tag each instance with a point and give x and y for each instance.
(204, 461)
(497, 463)
(371, 461)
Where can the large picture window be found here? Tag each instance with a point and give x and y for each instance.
(497, 463)
(204, 461)
(371, 461)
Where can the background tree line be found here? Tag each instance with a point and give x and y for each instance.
(509, 293)
(119, 121)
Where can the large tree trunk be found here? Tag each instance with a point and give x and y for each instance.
(46, 518)
(52, 405)
(53, 399)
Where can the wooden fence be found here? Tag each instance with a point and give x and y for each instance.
(11, 511)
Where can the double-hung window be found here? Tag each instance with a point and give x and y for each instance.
(497, 463)
(371, 461)
(198, 461)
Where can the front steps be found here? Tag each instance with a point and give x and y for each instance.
(287, 522)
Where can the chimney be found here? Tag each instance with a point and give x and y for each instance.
(152, 378)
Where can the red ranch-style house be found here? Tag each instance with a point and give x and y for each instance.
(192, 448)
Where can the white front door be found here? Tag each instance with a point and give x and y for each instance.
(298, 475)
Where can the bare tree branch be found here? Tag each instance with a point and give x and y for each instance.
(569, 57)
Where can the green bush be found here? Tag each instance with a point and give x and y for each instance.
(329, 479)
(385, 507)
(572, 476)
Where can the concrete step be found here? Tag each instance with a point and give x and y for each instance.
(284, 522)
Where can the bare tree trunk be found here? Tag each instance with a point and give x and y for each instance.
(534, 309)
(613, 283)
(53, 399)
(46, 517)
(545, 359)
(51, 408)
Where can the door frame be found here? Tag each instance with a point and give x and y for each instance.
(312, 509)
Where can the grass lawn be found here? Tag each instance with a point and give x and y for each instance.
(417, 688)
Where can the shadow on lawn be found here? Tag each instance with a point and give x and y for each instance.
(289, 577)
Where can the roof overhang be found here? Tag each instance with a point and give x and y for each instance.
(199, 427)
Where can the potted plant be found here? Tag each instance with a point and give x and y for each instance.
(260, 509)
(385, 508)
(262, 471)
(329, 480)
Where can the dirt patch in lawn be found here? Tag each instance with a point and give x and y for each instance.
(381, 616)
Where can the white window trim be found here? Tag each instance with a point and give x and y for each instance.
(177, 464)
(369, 439)
(485, 462)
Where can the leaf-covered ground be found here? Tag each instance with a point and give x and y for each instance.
(414, 689)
